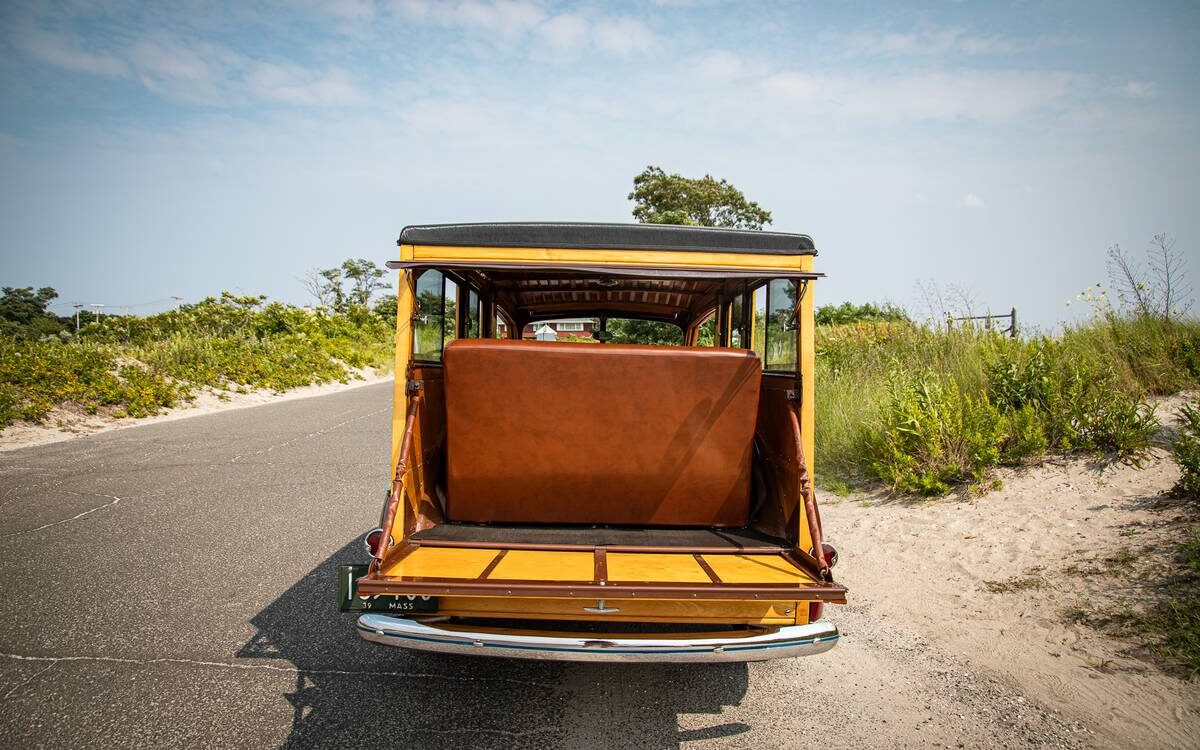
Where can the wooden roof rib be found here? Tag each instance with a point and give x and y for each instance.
(541, 298)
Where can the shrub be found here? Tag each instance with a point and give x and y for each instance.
(1077, 392)
(1024, 437)
(1186, 451)
(931, 435)
(137, 366)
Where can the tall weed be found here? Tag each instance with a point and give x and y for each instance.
(1186, 451)
(924, 408)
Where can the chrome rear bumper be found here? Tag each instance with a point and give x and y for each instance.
(781, 643)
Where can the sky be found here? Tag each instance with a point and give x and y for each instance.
(181, 149)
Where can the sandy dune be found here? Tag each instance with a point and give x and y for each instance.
(930, 563)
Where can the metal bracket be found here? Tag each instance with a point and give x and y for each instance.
(793, 394)
(413, 387)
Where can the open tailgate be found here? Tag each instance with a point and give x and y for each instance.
(600, 572)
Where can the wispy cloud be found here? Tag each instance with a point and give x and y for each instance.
(971, 200)
(945, 94)
(65, 51)
(191, 70)
(923, 42)
(1138, 89)
(511, 21)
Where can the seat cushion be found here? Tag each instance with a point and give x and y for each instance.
(548, 432)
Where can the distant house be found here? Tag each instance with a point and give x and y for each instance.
(563, 329)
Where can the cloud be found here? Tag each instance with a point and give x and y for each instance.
(622, 35)
(1138, 89)
(791, 85)
(66, 52)
(934, 95)
(510, 21)
(194, 71)
(926, 42)
(293, 84)
(970, 200)
(567, 31)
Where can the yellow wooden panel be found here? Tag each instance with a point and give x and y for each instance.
(442, 562)
(531, 565)
(657, 568)
(593, 257)
(755, 569)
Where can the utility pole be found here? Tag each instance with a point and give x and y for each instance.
(177, 301)
(99, 309)
(77, 307)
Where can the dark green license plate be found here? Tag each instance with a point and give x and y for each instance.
(348, 576)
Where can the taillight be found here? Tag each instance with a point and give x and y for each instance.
(831, 555)
(373, 541)
(815, 610)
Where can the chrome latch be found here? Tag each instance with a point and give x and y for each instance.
(600, 609)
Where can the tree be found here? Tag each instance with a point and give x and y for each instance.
(326, 287)
(1157, 290)
(848, 312)
(366, 279)
(661, 198)
(385, 307)
(632, 331)
(23, 311)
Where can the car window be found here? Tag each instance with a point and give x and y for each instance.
(429, 319)
(779, 326)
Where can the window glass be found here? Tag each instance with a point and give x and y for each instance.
(758, 322)
(780, 326)
(635, 331)
(735, 323)
(706, 332)
(429, 317)
(473, 314)
(450, 320)
(501, 329)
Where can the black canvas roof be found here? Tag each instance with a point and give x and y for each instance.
(608, 236)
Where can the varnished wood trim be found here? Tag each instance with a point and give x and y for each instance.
(773, 550)
(831, 593)
(601, 569)
(712, 574)
(492, 565)
(397, 553)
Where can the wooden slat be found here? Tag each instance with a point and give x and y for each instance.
(492, 565)
(601, 567)
(712, 574)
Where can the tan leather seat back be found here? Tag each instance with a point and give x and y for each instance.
(542, 432)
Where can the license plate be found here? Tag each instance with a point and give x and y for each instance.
(348, 601)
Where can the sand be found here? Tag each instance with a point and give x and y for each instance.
(67, 424)
(990, 579)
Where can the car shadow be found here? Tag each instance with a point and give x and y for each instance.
(349, 691)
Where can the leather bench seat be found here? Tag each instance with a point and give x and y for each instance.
(570, 433)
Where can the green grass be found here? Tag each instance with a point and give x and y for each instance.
(924, 410)
(137, 366)
(1168, 627)
(1186, 451)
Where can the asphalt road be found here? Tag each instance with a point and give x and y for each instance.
(172, 585)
